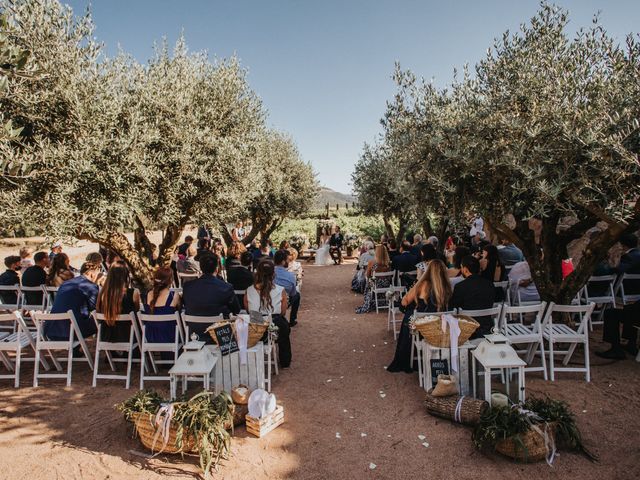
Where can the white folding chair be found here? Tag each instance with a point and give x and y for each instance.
(627, 288)
(186, 277)
(394, 308)
(38, 305)
(43, 343)
(562, 333)
(493, 312)
(50, 295)
(506, 287)
(151, 347)
(207, 320)
(520, 334)
(6, 290)
(241, 293)
(405, 279)
(16, 343)
(272, 358)
(108, 347)
(376, 290)
(177, 290)
(416, 345)
(600, 290)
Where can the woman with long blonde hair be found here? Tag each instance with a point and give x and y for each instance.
(431, 293)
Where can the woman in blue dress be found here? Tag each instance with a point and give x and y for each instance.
(161, 301)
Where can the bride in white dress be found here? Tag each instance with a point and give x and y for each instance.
(323, 256)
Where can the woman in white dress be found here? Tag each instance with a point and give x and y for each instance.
(323, 257)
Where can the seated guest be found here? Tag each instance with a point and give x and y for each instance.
(208, 296)
(490, 266)
(59, 272)
(233, 255)
(359, 281)
(363, 247)
(56, 248)
(522, 286)
(240, 276)
(474, 293)
(116, 298)
(630, 259)
(455, 272)
(284, 245)
(509, 254)
(204, 246)
(379, 264)
(629, 317)
(36, 276)
(295, 267)
(262, 253)
(219, 250)
(80, 295)
(287, 280)
(428, 253)
(162, 301)
(416, 248)
(10, 278)
(392, 248)
(183, 247)
(268, 298)
(26, 259)
(187, 263)
(406, 261)
(431, 293)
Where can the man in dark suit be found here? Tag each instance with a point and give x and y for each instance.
(240, 276)
(629, 317)
(10, 278)
(406, 261)
(208, 296)
(35, 276)
(474, 293)
(335, 246)
(630, 260)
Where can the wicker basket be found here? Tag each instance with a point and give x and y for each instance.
(256, 332)
(237, 397)
(469, 409)
(147, 432)
(433, 334)
(533, 447)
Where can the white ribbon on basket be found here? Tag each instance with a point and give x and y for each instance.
(454, 333)
(162, 423)
(457, 415)
(242, 332)
(549, 441)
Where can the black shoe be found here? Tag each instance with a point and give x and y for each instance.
(293, 323)
(631, 349)
(612, 354)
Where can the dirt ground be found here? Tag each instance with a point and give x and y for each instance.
(333, 386)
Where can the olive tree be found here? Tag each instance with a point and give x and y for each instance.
(288, 187)
(555, 135)
(116, 145)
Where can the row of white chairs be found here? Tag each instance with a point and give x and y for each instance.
(22, 294)
(531, 337)
(18, 336)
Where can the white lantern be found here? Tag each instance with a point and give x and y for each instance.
(194, 362)
(495, 353)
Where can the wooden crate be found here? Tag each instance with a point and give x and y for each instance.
(259, 427)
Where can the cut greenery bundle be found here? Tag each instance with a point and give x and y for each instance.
(547, 418)
(200, 420)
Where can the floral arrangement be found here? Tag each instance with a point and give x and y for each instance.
(352, 241)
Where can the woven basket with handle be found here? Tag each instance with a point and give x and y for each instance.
(146, 430)
(433, 334)
(466, 410)
(531, 446)
(256, 332)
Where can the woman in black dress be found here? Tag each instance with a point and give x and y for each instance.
(117, 298)
(430, 294)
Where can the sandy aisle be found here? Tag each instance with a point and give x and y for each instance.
(59, 433)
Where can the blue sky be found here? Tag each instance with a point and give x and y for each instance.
(323, 67)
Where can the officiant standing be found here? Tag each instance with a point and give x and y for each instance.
(335, 244)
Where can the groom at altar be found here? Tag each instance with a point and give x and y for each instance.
(335, 244)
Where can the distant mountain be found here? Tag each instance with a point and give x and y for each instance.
(332, 197)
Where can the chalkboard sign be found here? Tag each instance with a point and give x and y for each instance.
(226, 339)
(438, 367)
